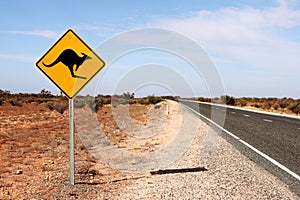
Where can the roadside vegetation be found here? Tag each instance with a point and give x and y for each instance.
(273, 104)
(59, 103)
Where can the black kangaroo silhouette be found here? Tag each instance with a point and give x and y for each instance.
(70, 58)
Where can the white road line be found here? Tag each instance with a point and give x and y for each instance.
(284, 168)
(214, 123)
(246, 115)
(268, 120)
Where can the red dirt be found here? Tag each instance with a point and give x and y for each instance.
(34, 157)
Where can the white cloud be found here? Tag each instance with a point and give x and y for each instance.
(18, 57)
(40, 33)
(283, 16)
(245, 34)
(104, 30)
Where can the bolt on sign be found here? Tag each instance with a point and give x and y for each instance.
(70, 64)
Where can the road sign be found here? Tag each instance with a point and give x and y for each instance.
(70, 64)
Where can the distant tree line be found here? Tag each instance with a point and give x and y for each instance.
(271, 104)
(59, 102)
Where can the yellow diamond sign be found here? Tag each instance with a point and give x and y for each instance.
(70, 64)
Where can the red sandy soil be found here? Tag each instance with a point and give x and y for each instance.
(34, 156)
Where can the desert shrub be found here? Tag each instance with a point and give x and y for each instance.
(255, 105)
(60, 106)
(241, 102)
(90, 102)
(127, 95)
(228, 100)
(143, 101)
(216, 100)
(174, 98)
(262, 100)
(93, 103)
(29, 100)
(292, 105)
(285, 102)
(272, 100)
(99, 102)
(79, 103)
(45, 93)
(296, 110)
(49, 105)
(82, 101)
(275, 106)
(14, 102)
(122, 101)
(106, 99)
(134, 101)
(202, 99)
(1, 101)
(255, 100)
(40, 100)
(4, 93)
(266, 105)
(223, 99)
(154, 99)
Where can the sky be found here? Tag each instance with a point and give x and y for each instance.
(254, 45)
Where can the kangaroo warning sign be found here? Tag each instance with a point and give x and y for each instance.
(70, 64)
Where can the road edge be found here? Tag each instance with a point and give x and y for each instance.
(281, 171)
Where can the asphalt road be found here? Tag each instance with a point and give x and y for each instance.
(276, 136)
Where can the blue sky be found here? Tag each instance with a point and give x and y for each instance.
(255, 45)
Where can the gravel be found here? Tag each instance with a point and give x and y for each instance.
(229, 175)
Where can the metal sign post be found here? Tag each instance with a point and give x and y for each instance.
(58, 64)
(71, 120)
